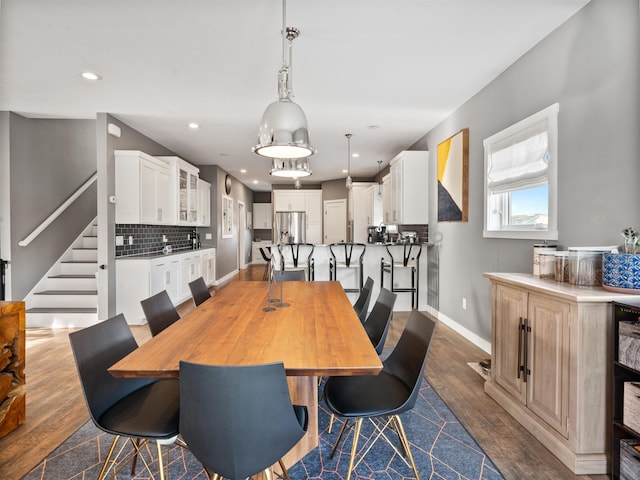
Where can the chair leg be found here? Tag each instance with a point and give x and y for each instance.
(160, 461)
(285, 473)
(331, 420)
(342, 430)
(354, 447)
(135, 457)
(405, 443)
(107, 460)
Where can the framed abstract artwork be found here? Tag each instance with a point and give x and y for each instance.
(453, 178)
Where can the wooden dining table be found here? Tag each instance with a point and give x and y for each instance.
(317, 334)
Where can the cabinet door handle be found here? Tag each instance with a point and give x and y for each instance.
(520, 336)
(527, 372)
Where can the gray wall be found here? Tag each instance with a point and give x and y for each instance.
(49, 160)
(590, 65)
(130, 139)
(226, 248)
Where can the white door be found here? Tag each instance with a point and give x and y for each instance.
(335, 221)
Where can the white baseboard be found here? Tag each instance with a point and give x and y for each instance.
(466, 333)
(226, 278)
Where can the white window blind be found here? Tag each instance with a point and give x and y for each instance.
(519, 161)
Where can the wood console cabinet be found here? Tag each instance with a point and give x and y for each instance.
(12, 362)
(550, 369)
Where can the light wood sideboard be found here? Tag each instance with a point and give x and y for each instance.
(550, 368)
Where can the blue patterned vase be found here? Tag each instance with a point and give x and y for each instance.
(621, 272)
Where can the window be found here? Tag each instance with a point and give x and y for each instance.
(521, 164)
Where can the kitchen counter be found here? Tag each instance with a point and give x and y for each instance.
(374, 254)
(153, 255)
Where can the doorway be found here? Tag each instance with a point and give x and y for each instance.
(242, 231)
(335, 221)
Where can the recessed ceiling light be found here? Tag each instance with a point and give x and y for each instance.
(243, 170)
(344, 171)
(355, 155)
(91, 76)
(373, 127)
(255, 181)
(194, 125)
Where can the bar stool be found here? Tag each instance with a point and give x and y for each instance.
(410, 260)
(291, 259)
(343, 256)
(266, 258)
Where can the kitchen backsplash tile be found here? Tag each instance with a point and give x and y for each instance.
(148, 238)
(421, 230)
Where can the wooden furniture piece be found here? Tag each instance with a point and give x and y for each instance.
(318, 334)
(625, 458)
(550, 369)
(12, 362)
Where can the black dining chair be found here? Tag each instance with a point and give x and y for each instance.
(159, 312)
(388, 394)
(137, 408)
(377, 323)
(289, 276)
(362, 302)
(238, 421)
(199, 291)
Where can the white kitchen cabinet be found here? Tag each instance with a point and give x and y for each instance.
(141, 186)
(204, 203)
(190, 269)
(138, 278)
(262, 216)
(410, 188)
(550, 369)
(387, 208)
(361, 210)
(308, 201)
(165, 275)
(208, 266)
(289, 200)
(184, 190)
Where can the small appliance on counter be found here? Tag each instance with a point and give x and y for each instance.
(409, 237)
(376, 234)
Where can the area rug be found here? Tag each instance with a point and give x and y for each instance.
(441, 447)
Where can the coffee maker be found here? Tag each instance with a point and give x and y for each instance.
(376, 234)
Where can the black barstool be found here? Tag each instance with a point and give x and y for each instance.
(411, 260)
(290, 257)
(342, 256)
(266, 258)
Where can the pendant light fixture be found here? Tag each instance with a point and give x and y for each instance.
(379, 180)
(283, 129)
(349, 181)
(290, 167)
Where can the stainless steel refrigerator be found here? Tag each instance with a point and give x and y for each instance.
(290, 227)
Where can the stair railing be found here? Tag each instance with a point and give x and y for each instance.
(50, 219)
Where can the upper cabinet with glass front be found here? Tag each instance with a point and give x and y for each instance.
(185, 185)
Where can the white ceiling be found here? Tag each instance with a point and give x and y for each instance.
(401, 65)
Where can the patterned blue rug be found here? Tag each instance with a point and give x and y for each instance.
(441, 447)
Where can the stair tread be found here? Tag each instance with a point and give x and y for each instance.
(69, 275)
(68, 292)
(80, 261)
(84, 248)
(61, 310)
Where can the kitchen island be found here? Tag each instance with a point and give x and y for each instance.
(375, 254)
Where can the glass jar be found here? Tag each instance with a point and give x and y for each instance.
(547, 261)
(562, 266)
(585, 266)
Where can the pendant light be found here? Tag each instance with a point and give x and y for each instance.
(283, 129)
(379, 180)
(290, 167)
(349, 181)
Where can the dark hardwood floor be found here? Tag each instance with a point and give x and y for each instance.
(56, 408)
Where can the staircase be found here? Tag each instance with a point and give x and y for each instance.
(67, 296)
